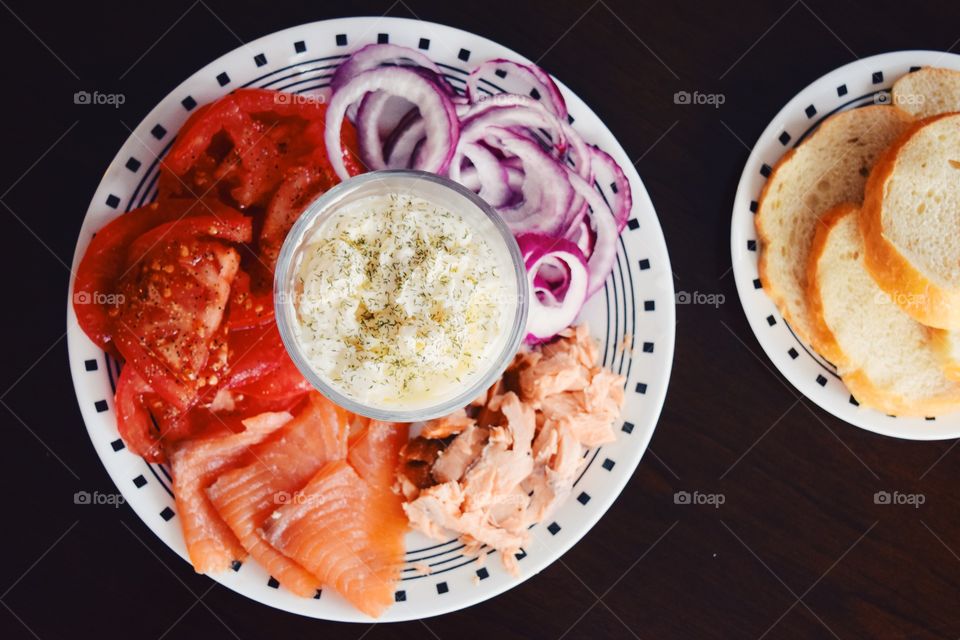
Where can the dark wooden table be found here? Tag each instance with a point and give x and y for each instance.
(798, 549)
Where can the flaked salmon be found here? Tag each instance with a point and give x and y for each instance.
(489, 473)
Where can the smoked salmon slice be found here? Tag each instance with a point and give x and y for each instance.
(347, 526)
(245, 497)
(330, 532)
(195, 464)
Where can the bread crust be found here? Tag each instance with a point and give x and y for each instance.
(764, 236)
(823, 340)
(917, 295)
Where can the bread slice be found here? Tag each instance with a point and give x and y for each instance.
(947, 346)
(828, 168)
(928, 92)
(910, 221)
(884, 356)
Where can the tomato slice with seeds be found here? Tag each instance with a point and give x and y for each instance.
(94, 288)
(171, 306)
(133, 418)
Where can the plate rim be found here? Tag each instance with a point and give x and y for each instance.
(657, 396)
(745, 265)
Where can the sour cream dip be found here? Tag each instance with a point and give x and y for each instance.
(402, 301)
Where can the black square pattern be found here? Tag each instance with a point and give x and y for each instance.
(854, 402)
(167, 514)
(464, 55)
(132, 164)
(317, 595)
(633, 224)
(608, 464)
(534, 94)
(90, 365)
(482, 573)
(223, 79)
(299, 46)
(553, 528)
(842, 90)
(641, 387)
(793, 353)
(583, 498)
(751, 245)
(877, 77)
(383, 38)
(235, 565)
(139, 482)
(400, 596)
(260, 59)
(117, 445)
(771, 320)
(272, 583)
(100, 406)
(648, 347)
(766, 170)
(189, 103)
(649, 305)
(341, 39)
(644, 264)
(500, 73)
(810, 111)
(821, 380)
(113, 201)
(627, 427)
(784, 138)
(158, 132)
(442, 587)
(753, 204)
(757, 284)
(424, 43)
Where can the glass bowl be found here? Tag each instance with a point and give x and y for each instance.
(483, 219)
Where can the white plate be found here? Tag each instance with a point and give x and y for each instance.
(637, 301)
(865, 81)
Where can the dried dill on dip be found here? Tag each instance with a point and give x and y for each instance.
(400, 300)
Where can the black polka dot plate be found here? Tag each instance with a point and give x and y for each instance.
(632, 317)
(862, 82)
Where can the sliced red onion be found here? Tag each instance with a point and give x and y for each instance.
(377, 117)
(582, 235)
(494, 186)
(442, 128)
(552, 311)
(604, 228)
(378, 55)
(547, 194)
(607, 171)
(541, 83)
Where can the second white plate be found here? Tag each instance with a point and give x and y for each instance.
(865, 81)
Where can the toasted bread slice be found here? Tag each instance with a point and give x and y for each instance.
(885, 357)
(910, 222)
(828, 168)
(928, 92)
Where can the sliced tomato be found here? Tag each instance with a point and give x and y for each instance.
(171, 307)
(248, 309)
(95, 286)
(223, 223)
(133, 418)
(301, 185)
